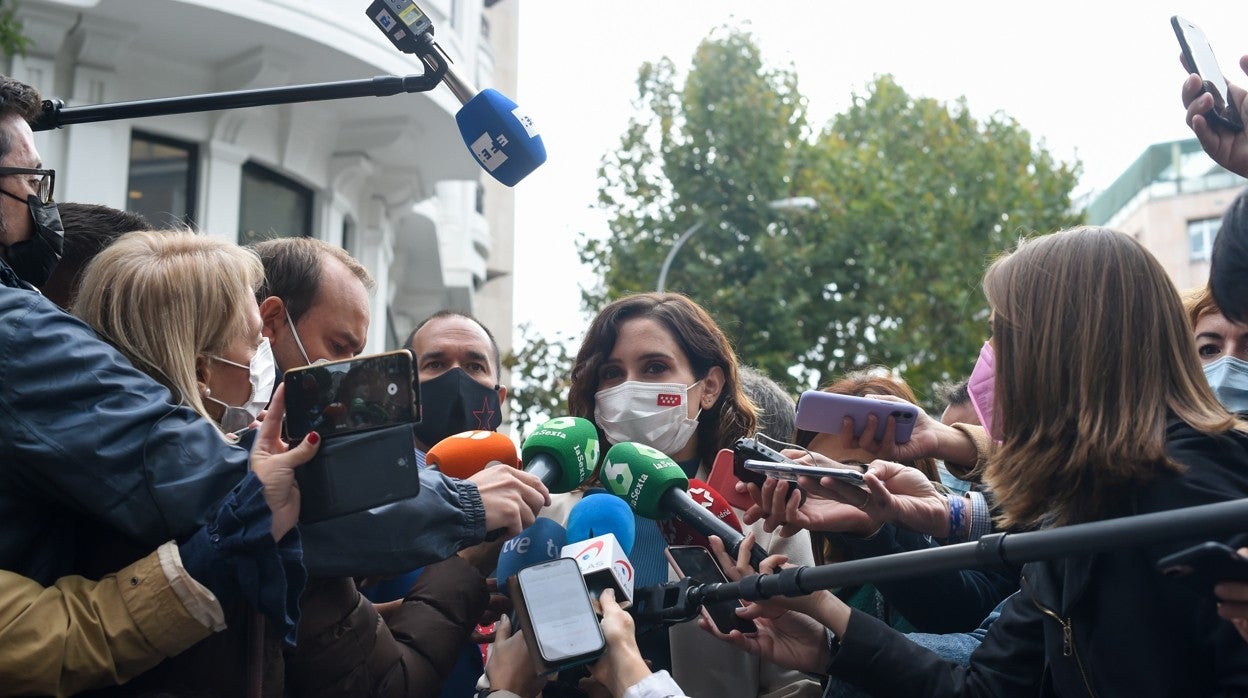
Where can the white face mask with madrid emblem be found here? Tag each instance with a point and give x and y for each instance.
(654, 414)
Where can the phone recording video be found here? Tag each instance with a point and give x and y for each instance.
(343, 397)
(696, 562)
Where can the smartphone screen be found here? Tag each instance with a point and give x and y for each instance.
(563, 622)
(342, 397)
(695, 562)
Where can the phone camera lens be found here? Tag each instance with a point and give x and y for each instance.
(393, 388)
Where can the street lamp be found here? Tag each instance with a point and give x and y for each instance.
(792, 203)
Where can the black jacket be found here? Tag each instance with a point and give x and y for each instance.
(1106, 624)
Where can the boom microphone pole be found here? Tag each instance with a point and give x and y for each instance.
(998, 550)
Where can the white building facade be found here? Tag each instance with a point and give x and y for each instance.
(387, 178)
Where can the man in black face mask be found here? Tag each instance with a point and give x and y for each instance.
(457, 364)
(31, 237)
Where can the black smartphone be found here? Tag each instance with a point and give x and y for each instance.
(1204, 565)
(1200, 60)
(559, 622)
(752, 449)
(697, 563)
(359, 394)
(358, 471)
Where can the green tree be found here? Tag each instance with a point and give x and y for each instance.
(12, 39)
(915, 198)
(540, 369)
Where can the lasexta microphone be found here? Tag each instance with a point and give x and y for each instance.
(654, 486)
(677, 532)
(542, 541)
(562, 453)
(468, 453)
(598, 514)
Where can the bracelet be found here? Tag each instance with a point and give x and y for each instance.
(957, 509)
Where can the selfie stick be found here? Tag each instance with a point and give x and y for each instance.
(996, 551)
(55, 114)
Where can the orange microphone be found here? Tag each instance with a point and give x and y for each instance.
(468, 453)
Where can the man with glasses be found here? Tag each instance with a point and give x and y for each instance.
(31, 237)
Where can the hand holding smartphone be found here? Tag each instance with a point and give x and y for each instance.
(824, 412)
(696, 562)
(352, 395)
(1200, 60)
(552, 604)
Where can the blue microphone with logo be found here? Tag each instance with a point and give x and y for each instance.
(542, 541)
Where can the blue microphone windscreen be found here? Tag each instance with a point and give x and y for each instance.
(538, 543)
(503, 139)
(600, 513)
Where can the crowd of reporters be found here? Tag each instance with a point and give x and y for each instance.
(152, 544)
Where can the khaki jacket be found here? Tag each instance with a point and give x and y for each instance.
(79, 634)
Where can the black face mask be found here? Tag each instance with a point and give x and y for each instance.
(454, 403)
(33, 260)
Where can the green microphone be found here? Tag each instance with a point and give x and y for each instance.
(562, 453)
(655, 487)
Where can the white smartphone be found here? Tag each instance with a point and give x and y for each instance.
(790, 471)
(558, 619)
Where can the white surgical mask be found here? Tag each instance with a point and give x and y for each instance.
(654, 414)
(1228, 376)
(262, 374)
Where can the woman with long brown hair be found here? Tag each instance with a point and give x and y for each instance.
(1101, 411)
(637, 348)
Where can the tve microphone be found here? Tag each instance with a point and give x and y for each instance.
(676, 532)
(654, 486)
(604, 565)
(468, 453)
(600, 513)
(562, 453)
(724, 481)
(542, 541)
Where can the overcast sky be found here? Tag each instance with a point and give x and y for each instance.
(1094, 80)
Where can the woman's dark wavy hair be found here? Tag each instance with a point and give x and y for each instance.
(705, 346)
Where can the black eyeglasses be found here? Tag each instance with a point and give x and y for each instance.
(44, 185)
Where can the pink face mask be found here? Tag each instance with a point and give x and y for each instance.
(980, 387)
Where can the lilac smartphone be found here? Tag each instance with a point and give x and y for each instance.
(823, 412)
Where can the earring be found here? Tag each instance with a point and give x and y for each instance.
(207, 392)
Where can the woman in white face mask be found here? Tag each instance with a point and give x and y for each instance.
(1223, 349)
(655, 368)
(182, 308)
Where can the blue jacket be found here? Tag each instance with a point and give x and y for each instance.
(87, 439)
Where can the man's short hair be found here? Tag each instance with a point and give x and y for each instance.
(89, 228)
(1228, 267)
(447, 312)
(17, 98)
(777, 413)
(293, 268)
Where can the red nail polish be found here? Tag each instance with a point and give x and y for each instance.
(314, 438)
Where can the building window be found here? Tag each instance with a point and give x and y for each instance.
(162, 180)
(272, 206)
(1200, 236)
